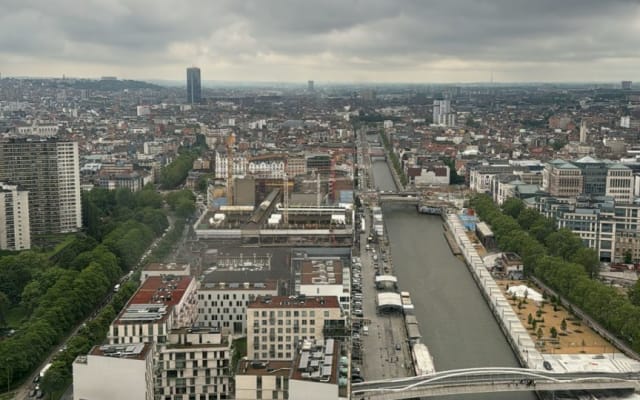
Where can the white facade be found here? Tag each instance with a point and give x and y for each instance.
(239, 165)
(276, 324)
(442, 115)
(195, 362)
(38, 130)
(98, 376)
(620, 182)
(142, 111)
(15, 233)
(224, 305)
(69, 187)
(274, 169)
(296, 166)
(310, 390)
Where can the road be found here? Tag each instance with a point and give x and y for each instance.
(23, 391)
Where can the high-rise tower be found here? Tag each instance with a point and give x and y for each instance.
(194, 88)
(49, 170)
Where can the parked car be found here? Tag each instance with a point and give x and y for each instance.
(547, 366)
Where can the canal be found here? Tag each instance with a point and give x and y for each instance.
(455, 322)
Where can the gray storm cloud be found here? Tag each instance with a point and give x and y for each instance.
(371, 40)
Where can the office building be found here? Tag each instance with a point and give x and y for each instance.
(15, 233)
(310, 86)
(194, 86)
(563, 179)
(620, 183)
(109, 372)
(626, 85)
(277, 324)
(49, 170)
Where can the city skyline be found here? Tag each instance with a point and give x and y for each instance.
(380, 41)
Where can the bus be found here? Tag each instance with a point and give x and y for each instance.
(363, 228)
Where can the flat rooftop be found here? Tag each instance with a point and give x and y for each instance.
(137, 351)
(168, 267)
(155, 299)
(266, 285)
(317, 361)
(264, 368)
(294, 302)
(320, 271)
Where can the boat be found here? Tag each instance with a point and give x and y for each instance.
(430, 210)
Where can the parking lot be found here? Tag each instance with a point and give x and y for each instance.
(380, 346)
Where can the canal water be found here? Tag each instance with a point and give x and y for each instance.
(455, 322)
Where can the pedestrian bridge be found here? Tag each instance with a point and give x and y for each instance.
(490, 380)
(399, 197)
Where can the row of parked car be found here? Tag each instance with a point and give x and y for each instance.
(356, 325)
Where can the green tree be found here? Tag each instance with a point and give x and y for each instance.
(4, 307)
(539, 312)
(589, 259)
(513, 207)
(554, 332)
(539, 333)
(634, 293)
(628, 257)
(56, 379)
(563, 325)
(529, 319)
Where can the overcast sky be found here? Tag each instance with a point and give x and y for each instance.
(324, 40)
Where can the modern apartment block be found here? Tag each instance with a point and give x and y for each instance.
(49, 170)
(160, 305)
(195, 364)
(15, 233)
(115, 372)
(313, 375)
(188, 362)
(277, 324)
(223, 305)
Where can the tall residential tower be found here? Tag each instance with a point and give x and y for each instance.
(194, 88)
(49, 170)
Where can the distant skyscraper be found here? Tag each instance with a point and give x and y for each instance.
(583, 132)
(442, 114)
(49, 170)
(194, 88)
(626, 85)
(310, 86)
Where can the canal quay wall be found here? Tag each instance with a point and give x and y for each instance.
(516, 334)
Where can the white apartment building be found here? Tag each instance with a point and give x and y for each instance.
(195, 363)
(620, 183)
(160, 305)
(277, 324)
(272, 167)
(322, 276)
(123, 372)
(15, 233)
(239, 167)
(223, 305)
(442, 115)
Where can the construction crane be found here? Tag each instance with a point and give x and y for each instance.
(230, 142)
